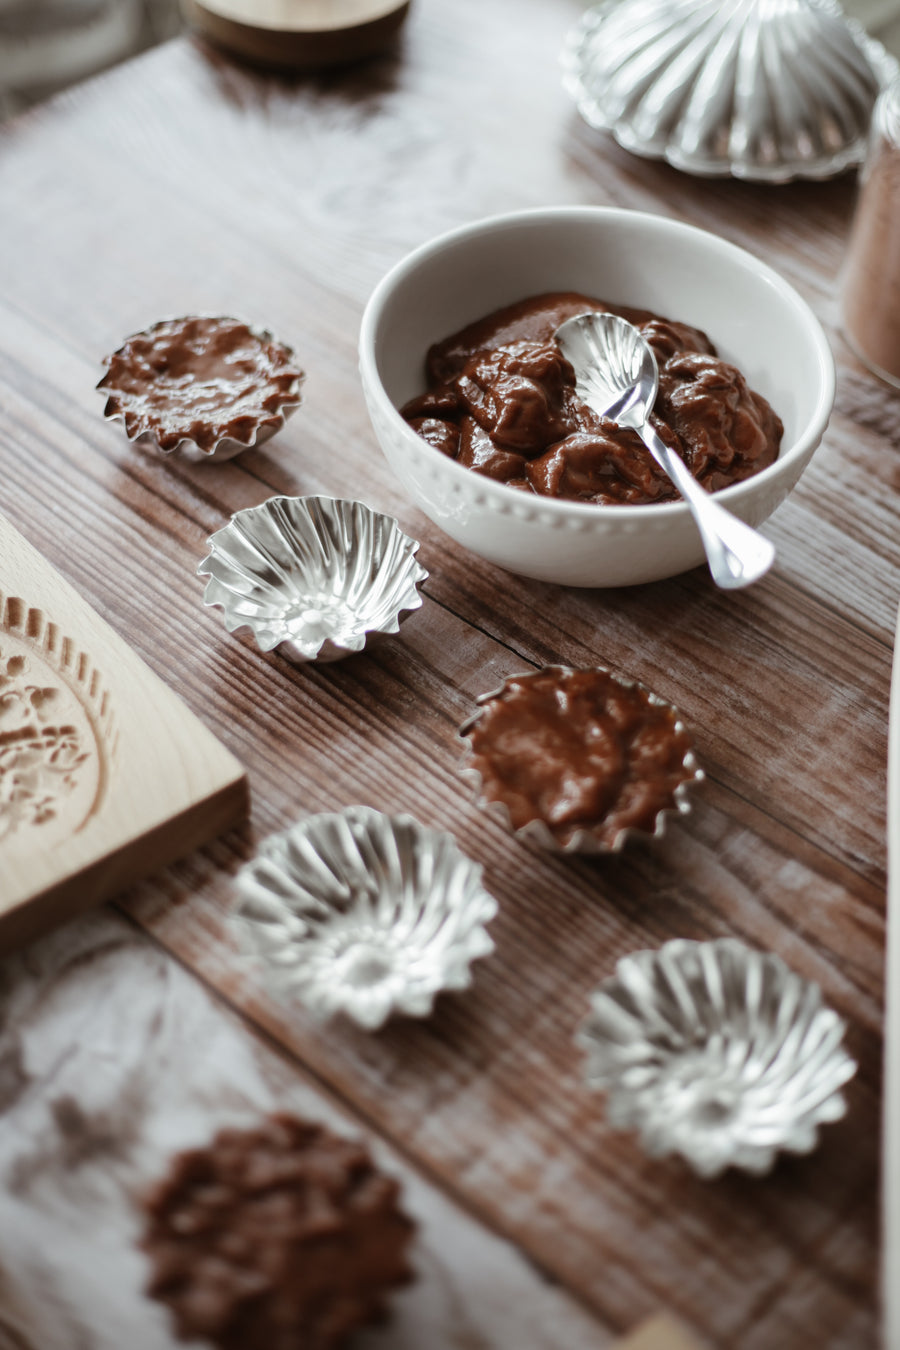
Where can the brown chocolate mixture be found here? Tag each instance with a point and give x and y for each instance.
(275, 1238)
(581, 751)
(501, 400)
(200, 379)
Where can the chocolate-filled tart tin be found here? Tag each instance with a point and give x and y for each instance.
(716, 1052)
(316, 577)
(579, 761)
(205, 386)
(363, 913)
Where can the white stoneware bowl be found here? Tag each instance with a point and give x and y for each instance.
(754, 318)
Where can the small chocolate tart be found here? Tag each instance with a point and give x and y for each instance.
(274, 1237)
(207, 387)
(579, 758)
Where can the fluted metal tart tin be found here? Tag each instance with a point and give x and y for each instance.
(316, 577)
(261, 423)
(363, 913)
(582, 840)
(716, 1052)
(765, 90)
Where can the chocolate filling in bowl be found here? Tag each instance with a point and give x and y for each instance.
(580, 754)
(501, 400)
(202, 382)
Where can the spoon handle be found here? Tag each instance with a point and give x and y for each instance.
(737, 554)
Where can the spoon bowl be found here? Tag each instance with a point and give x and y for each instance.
(617, 376)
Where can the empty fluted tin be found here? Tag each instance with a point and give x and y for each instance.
(316, 577)
(579, 760)
(205, 386)
(766, 90)
(716, 1052)
(364, 913)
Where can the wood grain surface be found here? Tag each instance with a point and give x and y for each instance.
(184, 183)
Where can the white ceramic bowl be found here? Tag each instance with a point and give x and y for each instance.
(756, 320)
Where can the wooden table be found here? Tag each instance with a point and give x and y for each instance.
(183, 183)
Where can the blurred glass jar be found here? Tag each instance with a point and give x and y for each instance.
(45, 44)
(870, 284)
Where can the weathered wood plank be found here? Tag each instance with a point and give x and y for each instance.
(285, 203)
(488, 1090)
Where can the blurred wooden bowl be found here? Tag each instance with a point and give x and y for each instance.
(298, 34)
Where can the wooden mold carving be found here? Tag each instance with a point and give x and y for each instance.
(57, 734)
(104, 774)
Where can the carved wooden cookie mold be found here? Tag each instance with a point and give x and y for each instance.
(57, 736)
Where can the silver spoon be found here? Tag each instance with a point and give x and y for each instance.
(617, 376)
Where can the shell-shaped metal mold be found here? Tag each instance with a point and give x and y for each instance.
(581, 840)
(716, 1052)
(363, 913)
(316, 577)
(766, 90)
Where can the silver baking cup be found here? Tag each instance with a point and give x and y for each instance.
(582, 841)
(363, 913)
(267, 425)
(316, 577)
(716, 1052)
(764, 90)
